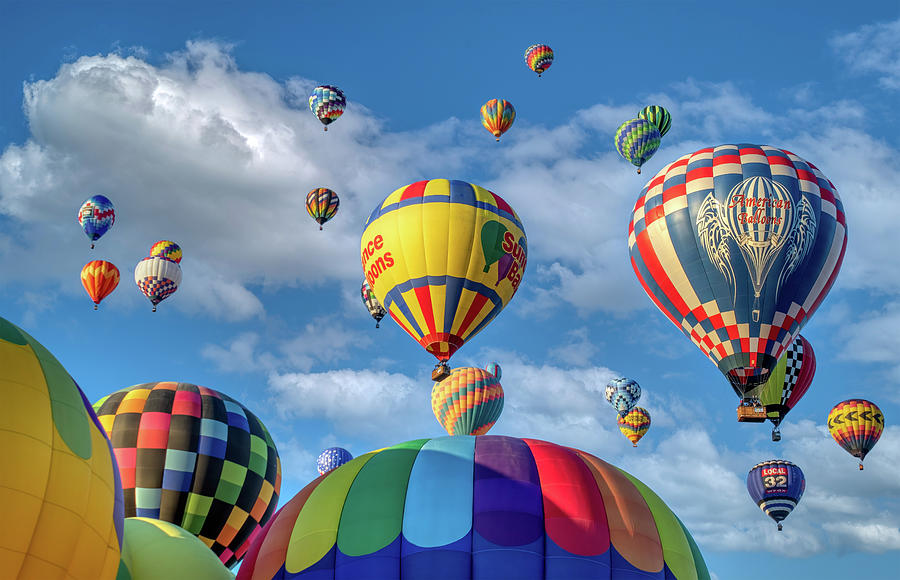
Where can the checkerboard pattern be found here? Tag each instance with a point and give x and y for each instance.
(194, 457)
(676, 272)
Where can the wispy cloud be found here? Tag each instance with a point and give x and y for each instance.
(873, 48)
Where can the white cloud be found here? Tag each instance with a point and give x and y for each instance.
(873, 48)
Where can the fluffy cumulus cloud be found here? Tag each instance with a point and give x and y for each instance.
(873, 48)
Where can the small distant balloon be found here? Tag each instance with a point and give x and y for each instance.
(166, 249)
(497, 116)
(468, 402)
(776, 486)
(99, 279)
(658, 116)
(374, 307)
(157, 278)
(623, 394)
(538, 57)
(494, 369)
(322, 205)
(331, 459)
(634, 424)
(327, 103)
(856, 425)
(96, 216)
(637, 140)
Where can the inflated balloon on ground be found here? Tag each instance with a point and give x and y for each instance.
(158, 550)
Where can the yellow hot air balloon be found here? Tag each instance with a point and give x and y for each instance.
(443, 258)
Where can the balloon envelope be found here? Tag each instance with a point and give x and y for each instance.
(468, 507)
(789, 381)
(429, 252)
(468, 402)
(376, 310)
(634, 424)
(158, 550)
(166, 249)
(538, 57)
(738, 245)
(497, 116)
(856, 425)
(494, 369)
(195, 457)
(322, 204)
(332, 458)
(96, 216)
(157, 278)
(327, 103)
(776, 486)
(60, 492)
(99, 279)
(658, 116)
(637, 140)
(623, 394)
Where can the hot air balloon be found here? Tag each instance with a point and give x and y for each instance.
(468, 402)
(658, 116)
(372, 305)
(96, 216)
(99, 278)
(497, 116)
(637, 140)
(776, 487)
(332, 458)
(166, 249)
(789, 381)
(155, 549)
(856, 425)
(60, 492)
(494, 369)
(327, 103)
(538, 57)
(634, 424)
(322, 204)
(194, 457)
(429, 252)
(623, 394)
(738, 245)
(475, 508)
(157, 278)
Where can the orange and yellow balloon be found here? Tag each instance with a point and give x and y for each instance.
(99, 278)
(856, 425)
(443, 258)
(468, 402)
(497, 116)
(634, 424)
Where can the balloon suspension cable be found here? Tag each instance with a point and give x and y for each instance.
(779, 526)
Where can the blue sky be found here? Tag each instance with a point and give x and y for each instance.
(193, 120)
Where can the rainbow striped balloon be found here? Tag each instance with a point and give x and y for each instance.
(327, 103)
(322, 204)
(467, 507)
(538, 57)
(634, 424)
(468, 402)
(497, 116)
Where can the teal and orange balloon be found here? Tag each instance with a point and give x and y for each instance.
(497, 116)
(166, 249)
(634, 424)
(327, 102)
(637, 140)
(322, 205)
(738, 245)
(468, 402)
(475, 508)
(538, 57)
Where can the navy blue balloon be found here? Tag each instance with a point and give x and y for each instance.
(332, 458)
(776, 486)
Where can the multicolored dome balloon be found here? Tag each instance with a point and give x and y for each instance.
(332, 458)
(156, 550)
(738, 245)
(59, 486)
(634, 424)
(443, 258)
(856, 425)
(166, 249)
(327, 103)
(195, 457)
(322, 204)
(637, 140)
(497, 116)
(96, 216)
(538, 57)
(468, 402)
(467, 507)
(660, 118)
(376, 310)
(789, 381)
(494, 369)
(623, 394)
(776, 486)
(99, 279)
(157, 278)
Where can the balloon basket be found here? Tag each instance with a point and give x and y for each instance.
(751, 411)
(95, 307)
(779, 527)
(154, 309)
(860, 466)
(377, 325)
(441, 371)
(776, 435)
(634, 444)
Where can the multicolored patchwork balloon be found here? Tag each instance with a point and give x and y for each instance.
(96, 216)
(195, 457)
(475, 508)
(428, 252)
(166, 249)
(322, 204)
(659, 116)
(60, 491)
(157, 278)
(789, 381)
(738, 245)
(623, 394)
(332, 458)
(376, 310)
(634, 424)
(538, 57)
(776, 486)
(327, 103)
(99, 279)
(497, 116)
(637, 140)
(468, 402)
(856, 425)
